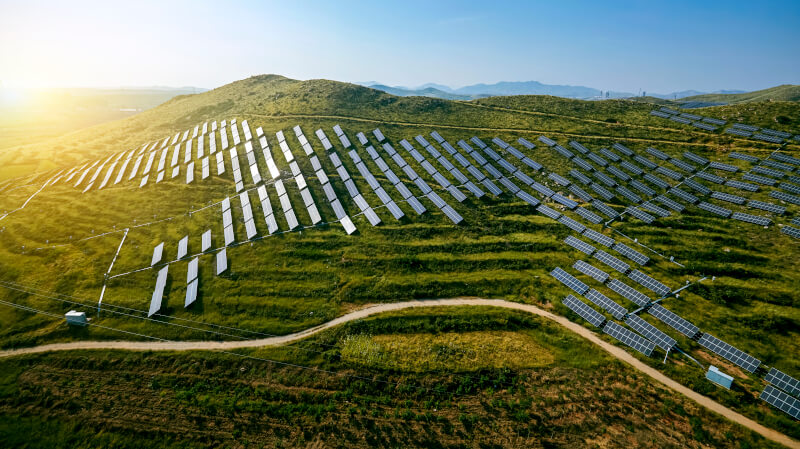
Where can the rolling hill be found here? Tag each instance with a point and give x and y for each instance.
(409, 378)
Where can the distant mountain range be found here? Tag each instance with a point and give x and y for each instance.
(522, 88)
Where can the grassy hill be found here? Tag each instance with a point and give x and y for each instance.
(785, 92)
(294, 280)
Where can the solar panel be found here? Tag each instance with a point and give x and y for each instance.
(618, 173)
(640, 186)
(525, 196)
(157, 253)
(583, 164)
(688, 197)
(680, 120)
(783, 381)
(580, 177)
(526, 143)
(767, 138)
(605, 179)
(781, 401)
(778, 165)
(673, 320)
(629, 338)
(547, 141)
(158, 292)
(577, 146)
(229, 237)
(785, 158)
(744, 157)
(682, 165)
(569, 280)
(631, 168)
(791, 188)
(641, 215)
(604, 302)
(785, 197)
(183, 246)
(704, 126)
(790, 231)
(611, 261)
(206, 241)
(622, 149)
(660, 114)
(452, 214)
(711, 177)
(559, 179)
(645, 162)
(580, 193)
(548, 212)
(598, 237)
(557, 197)
(655, 180)
(649, 283)
(597, 159)
(728, 197)
(755, 219)
(694, 185)
(659, 154)
(628, 292)
(695, 158)
(191, 273)
(627, 194)
(584, 311)
(745, 127)
(742, 185)
(588, 215)
(723, 167)
(730, 353)
(669, 203)
(769, 207)
(669, 173)
(580, 245)
(738, 132)
(605, 209)
(591, 271)
(650, 207)
(631, 253)
(610, 154)
(651, 332)
(563, 151)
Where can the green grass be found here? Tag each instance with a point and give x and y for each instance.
(114, 399)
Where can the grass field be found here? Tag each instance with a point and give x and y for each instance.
(291, 281)
(565, 395)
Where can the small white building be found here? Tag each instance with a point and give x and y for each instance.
(76, 318)
(718, 377)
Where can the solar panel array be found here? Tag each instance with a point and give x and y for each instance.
(604, 302)
(611, 261)
(584, 311)
(591, 271)
(673, 320)
(393, 179)
(629, 338)
(631, 253)
(755, 219)
(651, 332)
(730, 353)
(783, 381)
(781, 401)
(629, 292)
(649, 283)
(580, 245)
(158, 291)
(714, 209)
(569, 280)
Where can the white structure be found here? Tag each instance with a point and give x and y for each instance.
(76, 318)
(718, 377)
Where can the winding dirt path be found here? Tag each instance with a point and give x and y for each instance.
(615, 351)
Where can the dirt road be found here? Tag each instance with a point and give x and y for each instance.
(615, 351)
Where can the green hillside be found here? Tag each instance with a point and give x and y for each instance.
(59, 248)
(785, 92)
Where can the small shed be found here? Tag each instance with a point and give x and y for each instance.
(76, 318)
(718, 377)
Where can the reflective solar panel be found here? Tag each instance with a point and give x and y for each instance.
(604, 302)
(584, 311)
(609, 154)
(597, 159)
(650, 207)
(627, 194)
(628, 292)
(791, 188)
(622, 149)
(157, 253)
(744, 157)
(648, 282)
(669, 173)
(580, 193)
(711, 177)
(604, 178)
(682, 165)
(695, 158)
(783, 381)
(640, 186)
(569, 280)
(730, 353)
(669, 203)
(526, 143)
(673, 320)
(631, 253)
(548, 212)
(781, 401)
(724, 167)
(618, 173)
(769, 207)
(452, 214)
(728, 197)
(580, 176)
(785, 197)
(547, 141)
(776, 165)
(659, 154)
(580, 245)
(785, 158)
(641, 215)
(591, 271)
(577, 146)
(605, 209)
(629, 338)
(598, 237)
(183, 246)
(755, 219)
(694, 185)
(651, 332)
(158, 292)
(588, 215)
(525, 196)
(583, 164)
(611, 261)
(631, 168)
(656, 181)
(685, 196)
(559, 179)
(563, 151)
(790, 231)
(645, 162)
(742, 185)
(557, 197)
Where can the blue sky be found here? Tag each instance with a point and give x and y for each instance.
(657, 46)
